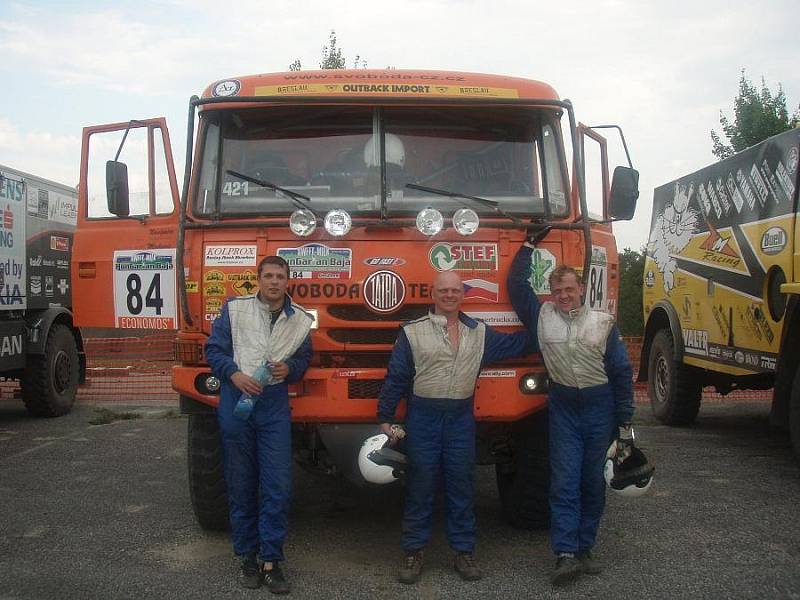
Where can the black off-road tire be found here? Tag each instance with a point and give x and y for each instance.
(207, 488)
(675, 391)
(794, 415)
(524, 486)
(50, 380)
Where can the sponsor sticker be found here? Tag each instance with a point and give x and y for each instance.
(230, 256)
(695, 341)
(324, 290)
(384, 261)
(496, 318)
(504, 373)
(213, 277)
(773, 240)
(317, 261)
(384, 88)
(214, 289)
(543, 262)
(445, 256)
(244, 283)
(650, 279)
(192, 287)
(213, 304)
(480, 289)
(144, 289)
(228, 87)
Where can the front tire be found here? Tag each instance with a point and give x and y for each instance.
(675, 392)
(50, 380)
(207, 489)
(524, 485)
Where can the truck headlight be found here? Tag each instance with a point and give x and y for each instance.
(533, 383)
(338, 222)
(302, 222)
(466, 221)
(429, 221)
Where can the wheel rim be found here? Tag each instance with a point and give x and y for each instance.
(62, 372)
(661, 385)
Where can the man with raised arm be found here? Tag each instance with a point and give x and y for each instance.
(590, 403)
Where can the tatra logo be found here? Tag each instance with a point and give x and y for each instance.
(384, 291)
(695, 341)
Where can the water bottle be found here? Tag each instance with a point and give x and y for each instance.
(263, 374)
(244, 407)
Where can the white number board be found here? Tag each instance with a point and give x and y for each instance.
(144, 289)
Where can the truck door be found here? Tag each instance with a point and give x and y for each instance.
(602, 283)
(123, 268)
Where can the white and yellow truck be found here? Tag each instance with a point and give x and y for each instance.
(721, 285)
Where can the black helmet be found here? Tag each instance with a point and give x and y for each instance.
(631, 476)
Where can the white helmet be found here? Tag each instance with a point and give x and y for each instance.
(378, 464)
(395, 152)
(630, 477)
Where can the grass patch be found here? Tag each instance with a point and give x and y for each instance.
(104, 416)
(170, 414)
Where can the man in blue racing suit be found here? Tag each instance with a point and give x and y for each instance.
(591, 395)
(434, 366)
(258, 345)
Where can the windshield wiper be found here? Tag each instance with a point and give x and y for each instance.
(495, 206)
(298, 199)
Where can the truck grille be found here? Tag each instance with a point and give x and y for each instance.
(364, 336)
(358, 312)
(364, 389)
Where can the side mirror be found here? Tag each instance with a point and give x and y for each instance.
(117, 188)
(624, 193)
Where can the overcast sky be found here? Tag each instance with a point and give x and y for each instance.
(661, 70)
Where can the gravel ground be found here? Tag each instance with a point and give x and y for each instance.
(102, 511)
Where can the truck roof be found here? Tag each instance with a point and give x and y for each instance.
(382, 83)
(40, 180)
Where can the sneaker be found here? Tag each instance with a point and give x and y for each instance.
(275, 580)
(412, 568)
(249, 574)
(466, 566)
(567, 569)
(589, 563)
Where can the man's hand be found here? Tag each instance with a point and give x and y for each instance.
(280, 370)
(624, 441)
(394, 432)
(245, 383)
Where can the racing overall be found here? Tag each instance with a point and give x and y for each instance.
(438, 382)
(257, 451)
(591, 394)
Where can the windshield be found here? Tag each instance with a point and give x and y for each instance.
(361, 159)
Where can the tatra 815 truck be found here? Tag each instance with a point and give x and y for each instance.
(721, 285)
(368, 183)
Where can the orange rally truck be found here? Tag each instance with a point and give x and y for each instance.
(368, 183)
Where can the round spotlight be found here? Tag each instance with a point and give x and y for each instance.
(430, 221)
(466, 221)
(302, 222)
(213, 384)
(338, 222)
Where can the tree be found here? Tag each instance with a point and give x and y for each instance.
(332, 57)
(758, 114)
(629, 315)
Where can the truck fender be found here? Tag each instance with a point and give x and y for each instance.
(39, 323)
(662, 315)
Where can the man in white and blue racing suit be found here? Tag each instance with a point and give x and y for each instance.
(434, 366)
(591, 395)
(258, 345)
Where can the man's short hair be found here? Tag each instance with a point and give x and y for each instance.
(273, 260)
(561, 271)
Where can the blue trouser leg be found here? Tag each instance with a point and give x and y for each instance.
(424, 448)
(241, 475)
(257, 463)
(273, 424)
(581, 426)
(458, 462)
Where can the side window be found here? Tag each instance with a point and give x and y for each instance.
(593, 177)
(103, 146)
(555, 180)
(208, 170)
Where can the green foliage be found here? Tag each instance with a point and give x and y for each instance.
(332, 57)
(758, 114)
(629, 315)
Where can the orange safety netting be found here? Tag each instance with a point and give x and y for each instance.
(138, 369)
